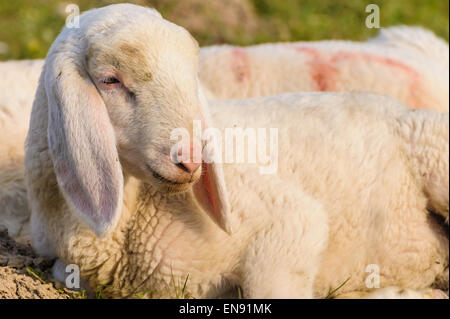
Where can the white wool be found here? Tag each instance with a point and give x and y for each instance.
(414, 72)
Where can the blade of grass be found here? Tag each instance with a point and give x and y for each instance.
(239, 293)
(34, 274)
(184, 286)
(332, 292)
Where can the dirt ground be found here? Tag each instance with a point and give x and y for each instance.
(25, 275)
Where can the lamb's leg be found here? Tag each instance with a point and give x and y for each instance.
(40, 236)
(283, 258)
(395, 293)
(14, 210)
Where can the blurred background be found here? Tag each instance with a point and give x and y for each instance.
(28, 27)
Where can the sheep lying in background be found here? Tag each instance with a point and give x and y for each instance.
(18, 84)
(408, 63)
(15, 109)
(357, 173)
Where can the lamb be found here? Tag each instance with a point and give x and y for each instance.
(15, 112)
(106, 195)
(19, 83)
(407, 63)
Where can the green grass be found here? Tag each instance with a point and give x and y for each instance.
(35, 274)
(76, 295)
(142, 294)
(331, 19)
(28, 27)
(333, 292)
(179, 288)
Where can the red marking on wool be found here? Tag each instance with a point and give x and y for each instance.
(414, 100)
(321, 70)
(312, 52)
(324, 72)
(240, 64)
(342, 55)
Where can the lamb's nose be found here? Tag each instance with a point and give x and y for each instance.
(193, 163)
(189, 166)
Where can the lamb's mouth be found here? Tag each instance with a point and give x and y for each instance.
(165, 180)
(170, 186)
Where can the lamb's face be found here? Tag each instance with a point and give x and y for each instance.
(148, 82)
(116, 89)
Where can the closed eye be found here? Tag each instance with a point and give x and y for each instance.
(110, 80)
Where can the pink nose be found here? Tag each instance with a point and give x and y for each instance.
(191, 165)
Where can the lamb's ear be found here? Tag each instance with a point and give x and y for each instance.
(83, 146)
(210, 191)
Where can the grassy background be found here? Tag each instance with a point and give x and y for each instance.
(28, 27)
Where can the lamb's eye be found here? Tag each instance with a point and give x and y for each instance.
(110, 80)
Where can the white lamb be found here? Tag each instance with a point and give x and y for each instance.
(407, 63)
(357, 173)
(16, 92)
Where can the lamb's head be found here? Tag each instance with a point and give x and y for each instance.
(116, 88)
(145, 73)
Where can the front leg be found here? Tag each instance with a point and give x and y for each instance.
(283, 258)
